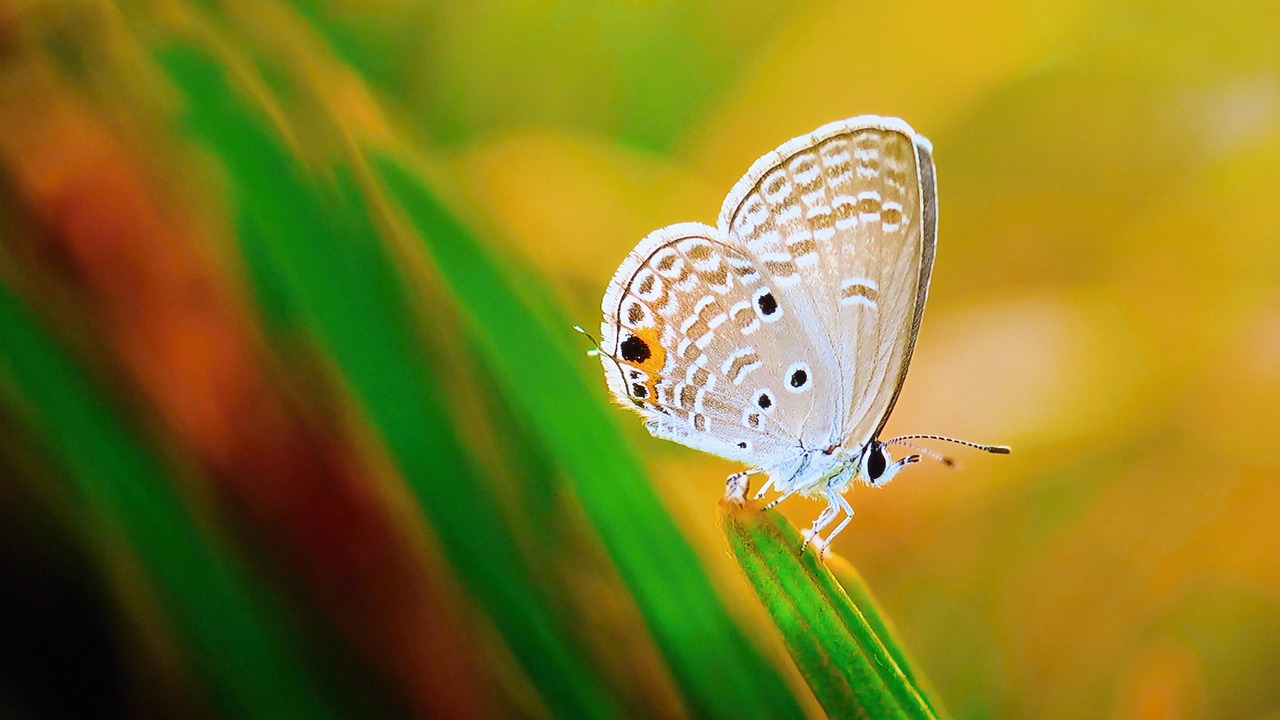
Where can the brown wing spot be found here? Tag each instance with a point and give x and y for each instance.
(780, 268)
(774, 183)
(718, 279)
(741, 365)
(806, 165)
(635, 313)
(743, 268)
(688, 396)
(853, 289)
(845, 210)
(803, 246)
(700, 377)
(822, 219)
(699, 252)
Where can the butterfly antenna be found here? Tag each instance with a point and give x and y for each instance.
(993, 449)
(944, 459)
(595, 350)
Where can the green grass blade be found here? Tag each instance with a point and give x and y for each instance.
(318, 258)
(538, 363)
(252, 665)
(846, 662)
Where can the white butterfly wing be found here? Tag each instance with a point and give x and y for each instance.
(844, 221)
(710, 352)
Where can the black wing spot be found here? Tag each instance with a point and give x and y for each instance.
(635, 350)
(767, 304)
(639, 390)
(764, 401)
(799, 378)
(743, 444)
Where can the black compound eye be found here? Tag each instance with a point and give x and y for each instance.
(876, 463)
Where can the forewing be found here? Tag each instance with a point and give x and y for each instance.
(844, 220)
(694, 336)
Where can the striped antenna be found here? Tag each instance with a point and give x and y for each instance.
(944, 459)
(594, 351)
(993, 449)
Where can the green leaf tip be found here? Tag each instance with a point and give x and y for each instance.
(843, 647)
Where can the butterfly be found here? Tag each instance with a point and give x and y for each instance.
(780, 338)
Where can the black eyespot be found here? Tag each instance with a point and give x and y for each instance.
(635, 350)
(764, 401)
(799, 378)
(639, 390)
(768, 305)
(876, 463)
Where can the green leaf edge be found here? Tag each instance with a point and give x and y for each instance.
(295, 232)
(840, 647)
(723, 674)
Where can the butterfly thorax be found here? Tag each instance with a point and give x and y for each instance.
(816, 472)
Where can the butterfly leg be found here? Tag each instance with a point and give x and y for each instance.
(781, 497)
(764, 488)
(735, 487)
(823, 520)
(837, 499)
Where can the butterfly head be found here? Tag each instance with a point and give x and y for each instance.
(877, 467)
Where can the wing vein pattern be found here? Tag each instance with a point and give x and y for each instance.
(789, 326)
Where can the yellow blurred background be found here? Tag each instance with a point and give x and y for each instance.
(1106, 299)
(1106, 295)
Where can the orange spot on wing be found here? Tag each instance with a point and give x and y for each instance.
(652, 365)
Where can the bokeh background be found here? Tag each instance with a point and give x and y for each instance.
(292, 422)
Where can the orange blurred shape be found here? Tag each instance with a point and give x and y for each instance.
(184, 341)
(1163, 682)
